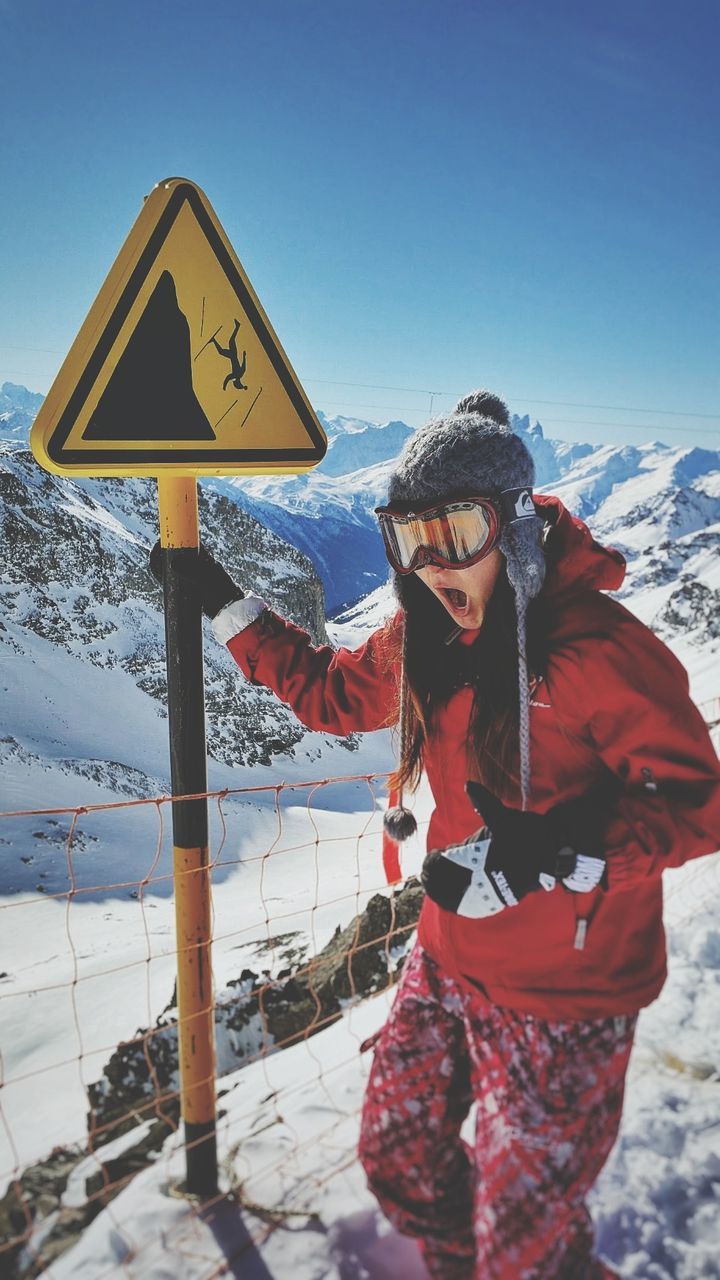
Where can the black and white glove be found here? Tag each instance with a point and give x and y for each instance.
(515, 854)
(211, 583)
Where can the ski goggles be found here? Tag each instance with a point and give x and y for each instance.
(453, 535)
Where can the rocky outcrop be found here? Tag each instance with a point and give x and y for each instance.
(259, 1012)
(693, 611)
(34, 1211)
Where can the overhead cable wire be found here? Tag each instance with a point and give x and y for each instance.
(549, 422)
(568, 404)
(428, 391)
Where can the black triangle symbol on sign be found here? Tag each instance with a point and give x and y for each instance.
(150, 394)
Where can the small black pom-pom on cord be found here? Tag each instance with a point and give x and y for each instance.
(399, 823)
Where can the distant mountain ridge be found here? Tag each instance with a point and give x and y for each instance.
(659, 504)
(331, 518)
(327, 514)
(18, 407)
(364, 448)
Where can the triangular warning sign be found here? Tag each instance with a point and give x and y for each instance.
(177, 367)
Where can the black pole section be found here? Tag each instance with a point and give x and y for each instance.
(186, 700)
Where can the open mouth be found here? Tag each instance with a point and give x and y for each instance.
(457, 599)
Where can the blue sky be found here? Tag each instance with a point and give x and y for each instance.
(427, 195)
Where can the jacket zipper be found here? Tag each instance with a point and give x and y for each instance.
(580, 933)
(582, 923)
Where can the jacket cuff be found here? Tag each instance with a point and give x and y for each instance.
(236, 616)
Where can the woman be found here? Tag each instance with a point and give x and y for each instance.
(529, 697)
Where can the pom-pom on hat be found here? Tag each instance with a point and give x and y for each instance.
(473, 452)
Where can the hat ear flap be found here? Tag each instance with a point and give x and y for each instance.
(521, 545)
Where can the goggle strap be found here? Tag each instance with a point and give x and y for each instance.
(517, 504)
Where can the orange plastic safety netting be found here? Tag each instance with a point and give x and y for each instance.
(304, 929)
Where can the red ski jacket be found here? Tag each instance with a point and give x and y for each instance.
(612, 697)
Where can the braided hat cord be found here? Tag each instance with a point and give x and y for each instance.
(524, 708)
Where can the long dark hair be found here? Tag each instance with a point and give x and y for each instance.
(436, 665)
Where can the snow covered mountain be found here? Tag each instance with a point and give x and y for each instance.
(359, 449)
(635, 497)
(18, 407)
(328, 514)
(82, 647)
(76, 592)
(660, 505)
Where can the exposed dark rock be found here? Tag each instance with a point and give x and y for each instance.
(258, 1012)
(692, 610)
(38, 1194)
(33, 1197)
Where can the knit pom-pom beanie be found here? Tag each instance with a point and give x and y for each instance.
(473, 452)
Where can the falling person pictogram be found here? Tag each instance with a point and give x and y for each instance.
(237, 369)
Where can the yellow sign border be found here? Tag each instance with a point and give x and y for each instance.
(99, 331)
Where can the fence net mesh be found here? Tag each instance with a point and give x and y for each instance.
(304, 928)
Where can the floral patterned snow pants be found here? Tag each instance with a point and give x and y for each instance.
(549, 1099)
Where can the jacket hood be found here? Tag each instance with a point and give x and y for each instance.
(575, 561)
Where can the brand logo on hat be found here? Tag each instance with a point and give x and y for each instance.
(517, 504)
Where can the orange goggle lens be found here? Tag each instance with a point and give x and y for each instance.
(454, 535)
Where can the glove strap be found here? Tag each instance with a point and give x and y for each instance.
(587, 874)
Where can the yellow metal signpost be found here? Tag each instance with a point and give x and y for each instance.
(176, 373)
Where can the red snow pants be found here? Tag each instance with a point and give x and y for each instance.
(548, 1101)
